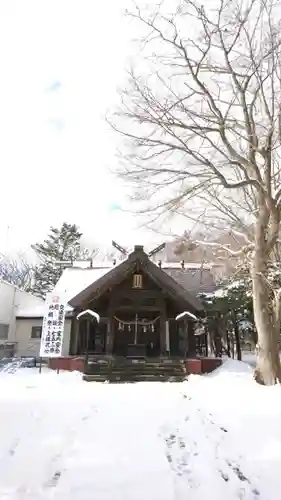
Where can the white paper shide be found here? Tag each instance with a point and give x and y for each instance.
(53, 327)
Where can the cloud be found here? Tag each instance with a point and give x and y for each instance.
(56, 149)
(57, 123)
(54, 86)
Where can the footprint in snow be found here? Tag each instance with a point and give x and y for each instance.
(89, 415)
(237, 471)
(13, 448)
(181, 443)
(52, 483)
(178, 457)
(244, 479)
(224, 476)
(170, 440)
(185, 396)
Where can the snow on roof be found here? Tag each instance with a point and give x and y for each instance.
(11, 285)
(236, 284)
(36, 311)
(187, 265)
(27, 305)
(219, 293)
(74, 280)
(164, 264)
(31, 312)
(86, 264)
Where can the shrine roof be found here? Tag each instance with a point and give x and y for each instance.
(138, 259)
(79, 281)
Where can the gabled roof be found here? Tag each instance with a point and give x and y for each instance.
(138, 260)
(194, 279)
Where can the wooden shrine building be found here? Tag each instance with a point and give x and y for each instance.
(137, 302)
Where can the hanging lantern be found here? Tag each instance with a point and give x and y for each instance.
(144, 329)
(152, 328)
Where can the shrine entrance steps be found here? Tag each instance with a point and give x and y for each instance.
(134, 370)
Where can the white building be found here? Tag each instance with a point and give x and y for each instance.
(13, 300)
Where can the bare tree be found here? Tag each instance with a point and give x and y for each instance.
(17, 271)
(202, 121)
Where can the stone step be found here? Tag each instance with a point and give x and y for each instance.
(126, 370)
(127, 362)
(139, 366)
(130, 372)
(137, 378)
(147, 376)
(147, 368)
(94, 378)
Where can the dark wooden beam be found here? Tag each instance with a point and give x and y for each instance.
(119, 248)
(135, 307)
(156, 250)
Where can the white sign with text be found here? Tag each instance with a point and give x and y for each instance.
(53, 327)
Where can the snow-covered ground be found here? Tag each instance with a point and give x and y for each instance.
(250, 358)
(215, 437)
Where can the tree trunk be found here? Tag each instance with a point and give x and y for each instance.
(232, 346)
(218, 348)
(211, 342)
(237, 336)
(268, 368)
(218, 342)
(227, 344)
(254, 334)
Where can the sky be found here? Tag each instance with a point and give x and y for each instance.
(61, 62)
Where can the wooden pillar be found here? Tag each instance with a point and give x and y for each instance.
(109, 336)
(167, 332)
(74, 337)
(191, 340)
(88, 333)
(163, 329)
(75, 334)
(186, 336)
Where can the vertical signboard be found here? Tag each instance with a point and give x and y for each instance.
(53, 327)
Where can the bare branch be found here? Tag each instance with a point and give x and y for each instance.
(201, 123)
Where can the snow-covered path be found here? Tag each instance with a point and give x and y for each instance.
(215, 437)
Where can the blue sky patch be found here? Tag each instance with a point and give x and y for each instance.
(55, 86)
(113, 207)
